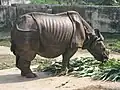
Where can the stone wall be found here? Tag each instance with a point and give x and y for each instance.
(7, 14)
(26, 8)
(105, 18)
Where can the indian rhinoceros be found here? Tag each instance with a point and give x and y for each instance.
(51, 35)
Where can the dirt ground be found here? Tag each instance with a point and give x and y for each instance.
(10, 79)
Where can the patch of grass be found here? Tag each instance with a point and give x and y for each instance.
(43, 63)
(44, 1)
(112, 42)
(7, 61)
(114, 45)
(5, 42)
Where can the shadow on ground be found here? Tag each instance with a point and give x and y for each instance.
(14, 78)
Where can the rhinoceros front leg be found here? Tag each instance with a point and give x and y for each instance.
(66, 58)
(23, 61)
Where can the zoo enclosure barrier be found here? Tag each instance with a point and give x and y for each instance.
(104, 18)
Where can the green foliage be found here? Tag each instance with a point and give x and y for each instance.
(107, 2)
(43, 63)
(115, 46)
(5, 42)
(84, 67)
(7, 61)
(78, 2)
(44, 1)
(109, 71)
(112, 42)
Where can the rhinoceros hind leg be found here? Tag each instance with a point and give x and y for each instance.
(23, 62)
(66, 58)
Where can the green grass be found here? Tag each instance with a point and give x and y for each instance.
(7, 61)
(112, 42)
(5, 42)
(44, 1)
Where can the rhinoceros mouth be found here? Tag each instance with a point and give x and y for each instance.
(102, 58)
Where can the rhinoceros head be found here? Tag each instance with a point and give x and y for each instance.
(94, 44)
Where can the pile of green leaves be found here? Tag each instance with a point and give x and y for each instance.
(109, 71)
(83, 67)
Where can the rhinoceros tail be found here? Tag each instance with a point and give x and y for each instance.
(12, 48)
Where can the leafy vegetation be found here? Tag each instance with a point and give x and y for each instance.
(109, 71)
(44, 1)
(84, 67)
(94, 2)
(114, 46)
(112, 42)
(5, 42)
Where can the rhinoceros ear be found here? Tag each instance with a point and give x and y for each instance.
(97, 32)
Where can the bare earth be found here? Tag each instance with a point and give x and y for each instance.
(10, 79)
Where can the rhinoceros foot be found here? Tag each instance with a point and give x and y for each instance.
(63, 72)
(29, 75)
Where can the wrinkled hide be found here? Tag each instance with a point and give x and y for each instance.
(56, 32)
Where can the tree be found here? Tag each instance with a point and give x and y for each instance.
(59, 1)
(109, 2)
(118, 1)
(78, 2)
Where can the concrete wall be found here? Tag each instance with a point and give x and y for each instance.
(9, 2)
(8, 14)
(105, 18)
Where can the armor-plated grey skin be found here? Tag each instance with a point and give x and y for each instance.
(51, 35)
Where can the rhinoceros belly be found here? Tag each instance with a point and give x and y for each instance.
(51, 51)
